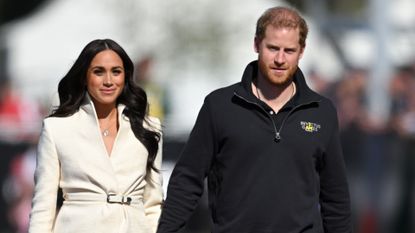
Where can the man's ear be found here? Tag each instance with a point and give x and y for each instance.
(256, 44)
(302, 52)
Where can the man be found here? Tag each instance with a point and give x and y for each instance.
(268, 145)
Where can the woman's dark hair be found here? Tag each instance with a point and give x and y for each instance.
(72, 91)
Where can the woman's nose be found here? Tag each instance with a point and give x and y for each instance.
(108, 80)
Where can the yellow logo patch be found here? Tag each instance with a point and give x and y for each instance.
(309, 126)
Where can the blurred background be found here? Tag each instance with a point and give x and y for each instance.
(360, 54)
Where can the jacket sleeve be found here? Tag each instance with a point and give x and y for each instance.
(186, 183)
(47, 175)
(334, 191)
(153, 192)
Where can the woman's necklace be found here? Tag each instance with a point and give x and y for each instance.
(106, 131)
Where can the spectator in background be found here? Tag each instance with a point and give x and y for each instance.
(101, 148)
(320, 84)
(157, 96)
(363, 147)
(350, 99)
(403, 124)
(20, 118)
(20, 121)
(18, 190)
(268, 145)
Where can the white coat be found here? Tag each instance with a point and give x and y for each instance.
(72, 155)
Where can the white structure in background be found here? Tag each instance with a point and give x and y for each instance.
(198, 46)
(402, 45)
(389, 42)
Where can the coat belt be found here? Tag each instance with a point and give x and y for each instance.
(111, 198)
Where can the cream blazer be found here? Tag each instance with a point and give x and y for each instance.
(72, 155)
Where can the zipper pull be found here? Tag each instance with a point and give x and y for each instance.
(277, 137)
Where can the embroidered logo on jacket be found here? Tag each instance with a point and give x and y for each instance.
(310, 127)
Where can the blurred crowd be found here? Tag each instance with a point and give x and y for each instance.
(380, 157)
(20, 121)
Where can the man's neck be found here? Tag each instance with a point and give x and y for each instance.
(275, 96)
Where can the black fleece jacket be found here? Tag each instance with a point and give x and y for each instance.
(267, 172)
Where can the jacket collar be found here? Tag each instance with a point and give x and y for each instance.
(303, 95)
(88, 106)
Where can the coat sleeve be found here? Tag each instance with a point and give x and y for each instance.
(334, 191)
(153, 191)
(47, 175)
(186, 183)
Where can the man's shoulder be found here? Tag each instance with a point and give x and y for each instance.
(327, 103)
(323, 100)
(223, 92)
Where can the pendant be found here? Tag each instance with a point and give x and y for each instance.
(105, 132)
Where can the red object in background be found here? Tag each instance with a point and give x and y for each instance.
(368, 223)
(20, 119)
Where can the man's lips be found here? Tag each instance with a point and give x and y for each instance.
(278, 69)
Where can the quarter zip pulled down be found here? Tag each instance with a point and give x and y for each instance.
(277, 132)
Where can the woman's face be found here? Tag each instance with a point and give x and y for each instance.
(105, 78)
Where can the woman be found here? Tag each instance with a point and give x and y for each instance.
(100, 147)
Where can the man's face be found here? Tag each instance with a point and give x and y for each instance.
(278, 54)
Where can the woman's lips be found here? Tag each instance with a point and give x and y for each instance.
(108, 91)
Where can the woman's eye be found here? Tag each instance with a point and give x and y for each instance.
(117, 72)
(98, 72)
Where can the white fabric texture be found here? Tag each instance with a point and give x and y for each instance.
(72, 155)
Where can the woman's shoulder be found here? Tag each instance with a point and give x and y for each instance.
(66, 121)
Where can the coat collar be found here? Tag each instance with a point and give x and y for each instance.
(88, 107)
(303, 95)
